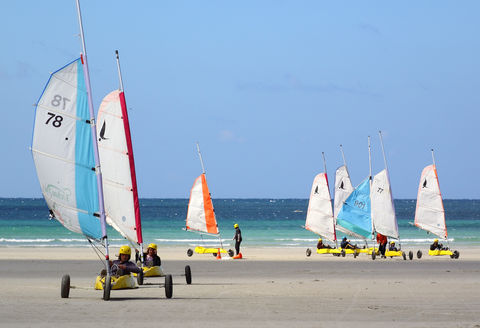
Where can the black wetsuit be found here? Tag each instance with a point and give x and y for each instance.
(238, 240)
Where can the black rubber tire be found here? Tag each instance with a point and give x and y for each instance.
(231, 252)
(419, 254)
(404, 256)
(140, 278)
(214, 254)
(107, 288)
(189, 252)
(355, 254)
(343, 253)
(188, 275)
(456, 254)
(308, 252)
(410, 255)
(65, 287)
(374, 255)
(168, 286)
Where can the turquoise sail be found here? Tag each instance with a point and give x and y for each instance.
(355, 214)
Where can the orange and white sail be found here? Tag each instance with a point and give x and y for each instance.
(201, 215)
(430, 214)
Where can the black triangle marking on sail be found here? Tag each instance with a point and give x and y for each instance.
(102, 131)
(316, 190)
(341, 186)
(425, 184)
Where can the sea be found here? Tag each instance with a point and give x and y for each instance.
(24, 222)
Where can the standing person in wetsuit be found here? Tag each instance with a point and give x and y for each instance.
(237, 238)
(382, 244)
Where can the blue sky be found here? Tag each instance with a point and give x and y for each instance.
(264, 86)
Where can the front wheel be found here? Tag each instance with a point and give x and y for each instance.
(374, 255)
(168, 286)
(231, 252)
(343, 253)
(65, 287)
(107, 288)
(404, 256)
(457, 254)
(188, 275)
(419, 254)
(410, 255)
(308, 252)
(189, 252)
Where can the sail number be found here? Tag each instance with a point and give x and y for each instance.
(59, 100)
(57, 120)
(360, 205)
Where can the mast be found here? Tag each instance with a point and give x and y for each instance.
(343, 156)
(330, 196)
(94, 137)
(370, 179)
(433, 159)
(201, 159)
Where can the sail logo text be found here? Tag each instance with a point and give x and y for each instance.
(360, 205)
(56, 192)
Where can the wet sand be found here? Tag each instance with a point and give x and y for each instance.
(269, 288)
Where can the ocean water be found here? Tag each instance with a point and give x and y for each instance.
(24, 222)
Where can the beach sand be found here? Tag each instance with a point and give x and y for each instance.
(270, 287)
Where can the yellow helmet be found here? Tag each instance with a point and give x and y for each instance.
(152, 245)
(435, 240)
(392, 242)
(319, 239)
(235, 225)
(125, 250)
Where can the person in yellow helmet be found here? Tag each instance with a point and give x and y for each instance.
(123, 266)
(237, 238)
(438, 246)
(321, 245)
(150, 257)
(392, 247)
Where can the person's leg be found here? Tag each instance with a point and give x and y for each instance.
(237, 247)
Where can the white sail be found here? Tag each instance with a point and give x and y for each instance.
(383, 211)
(200, 214)
(320, 215)
(121, 201)
(63, 153)
(343, 188)
(430, 214)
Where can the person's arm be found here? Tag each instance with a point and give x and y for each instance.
(131, 267)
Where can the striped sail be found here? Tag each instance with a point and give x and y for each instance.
(320, 215)
(355, 214)
(430, 214)
(383, 210)
(118, 167)
(62, 149)
(200, 214)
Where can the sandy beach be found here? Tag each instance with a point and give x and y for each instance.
(271, 287)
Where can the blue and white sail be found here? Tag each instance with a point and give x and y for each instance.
(355, 215)
(62, 148)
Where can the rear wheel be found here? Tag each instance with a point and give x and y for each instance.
(214, 254)
(107, 288)
(308, 252)
(168, 286)
(140, 277)
(188, 274)
(457, 254)
(65, 287)
(355, 254)
(374, 255)
(410, 255)
(189, 252)
(419, 254)
(231, 253)
(404, 256)
(343, 253)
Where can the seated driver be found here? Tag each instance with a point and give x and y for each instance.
(321, 245)
(123, 266)
(438, 246)
(345, 244)
(392, 247)
(150, 257)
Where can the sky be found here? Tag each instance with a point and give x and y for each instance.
(264, 86)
